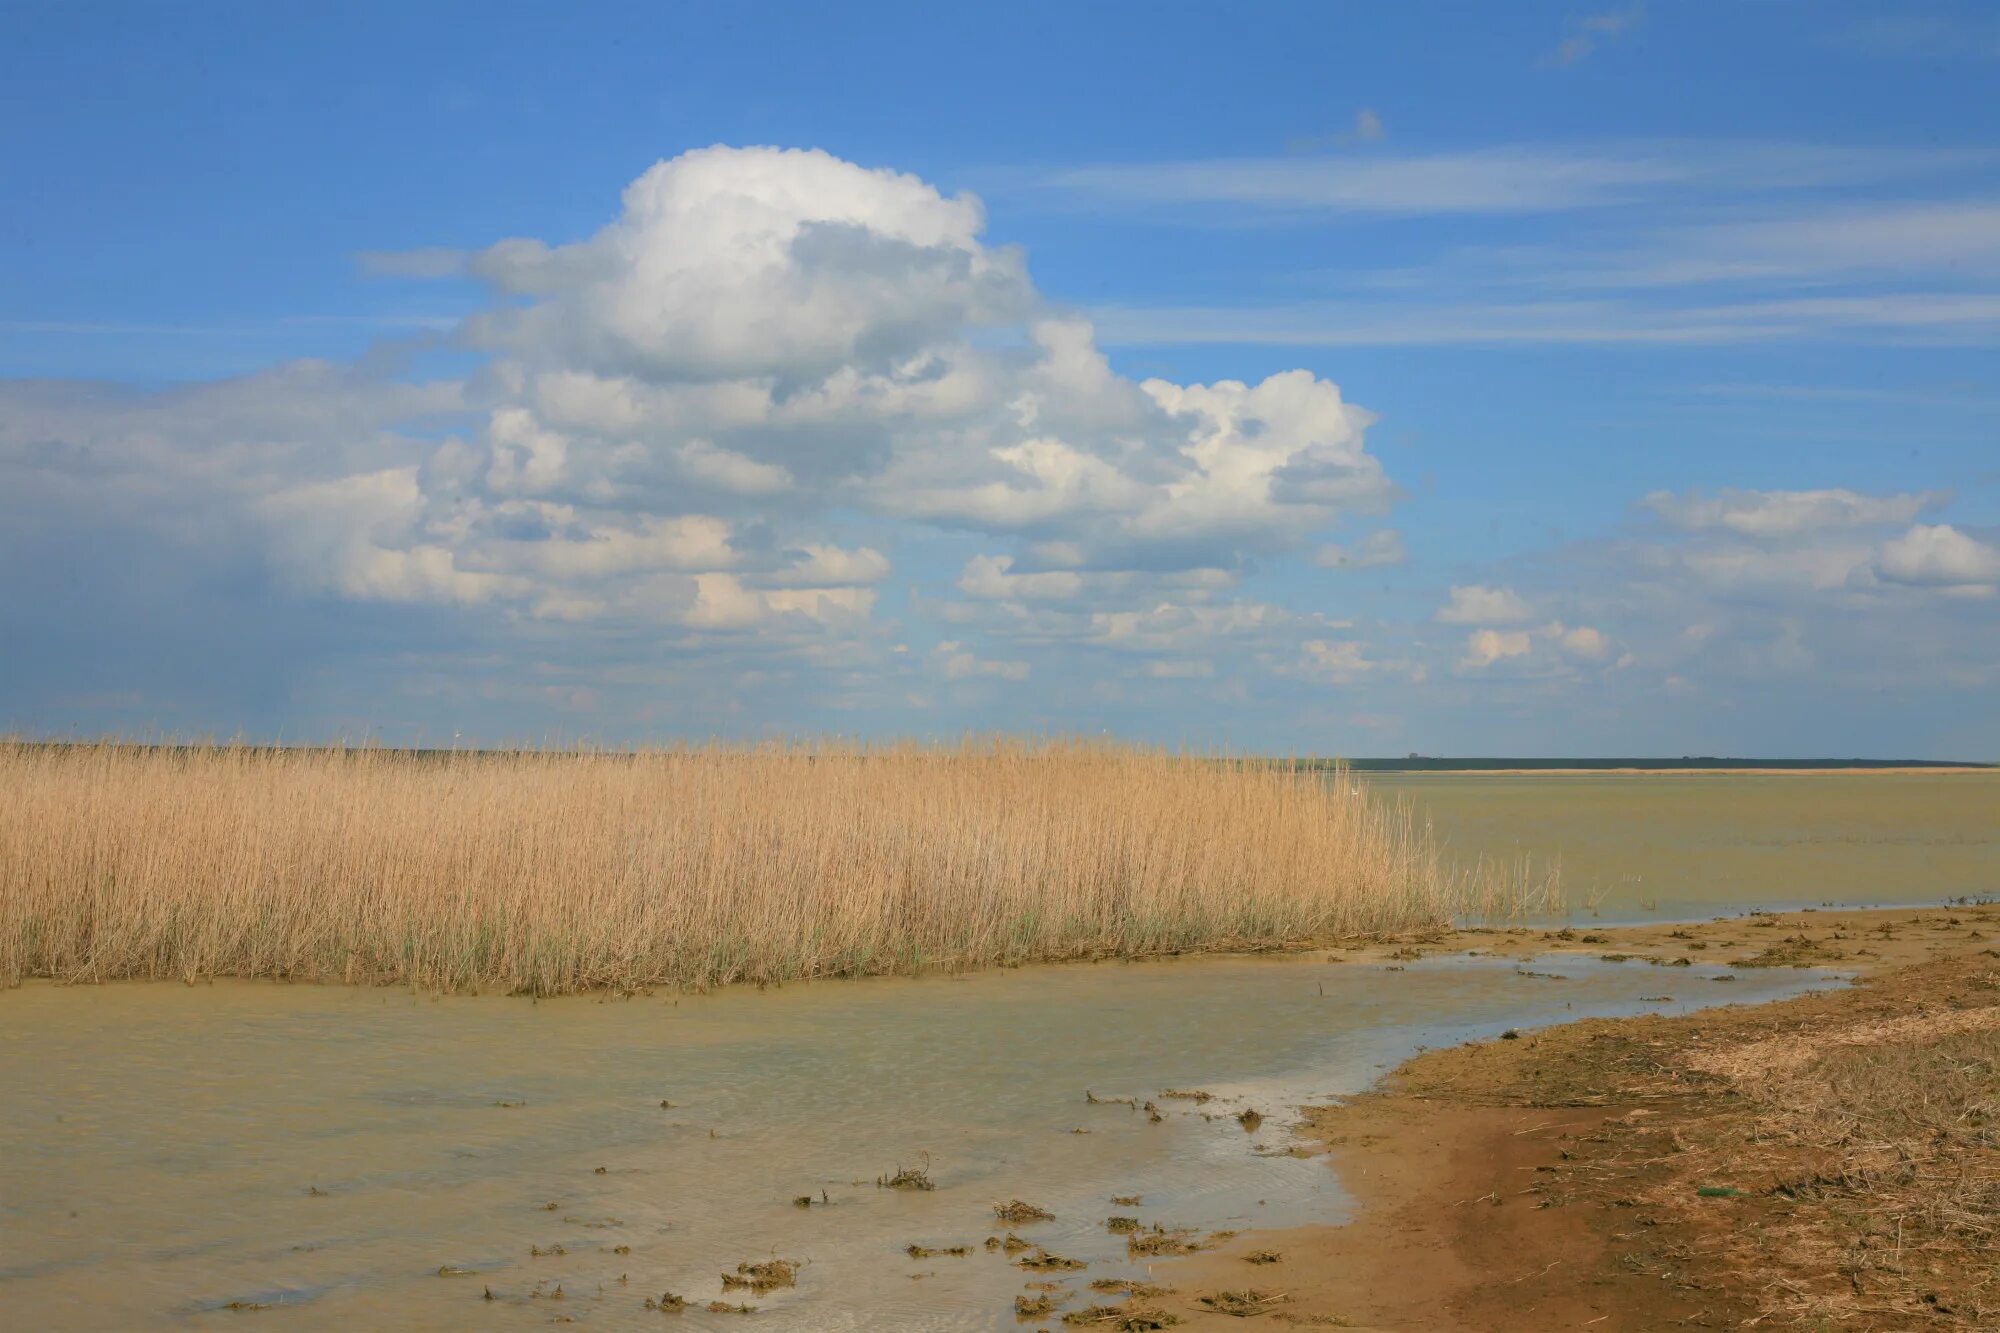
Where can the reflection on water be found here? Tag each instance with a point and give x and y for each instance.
(1671, 847)
(173, 1152)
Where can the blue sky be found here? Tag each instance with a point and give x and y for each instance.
(1456, 378)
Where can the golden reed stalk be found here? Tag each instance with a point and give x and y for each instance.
(556, 871)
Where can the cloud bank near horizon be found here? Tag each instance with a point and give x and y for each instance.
(790, 434)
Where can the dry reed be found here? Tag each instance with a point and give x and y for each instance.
(557, 871)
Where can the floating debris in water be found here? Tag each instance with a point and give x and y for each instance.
(1131, 1287)
(908, 1178)
(1121, 1226)
(668, 1303)
(932, 1252)
(1041, 1261)
(1263, 1257)
(1194, 1095)
(1016, 1211)
(724, 1307)
(537, 1252)
(1127, 1200)
(449, 1270)
(1250, 1119)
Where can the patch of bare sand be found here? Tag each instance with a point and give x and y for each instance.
(1827, 1161)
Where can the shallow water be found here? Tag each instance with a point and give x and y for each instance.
(1675, 847)
(322, 1151)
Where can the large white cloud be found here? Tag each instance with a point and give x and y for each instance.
(720, 416)
(765, 336)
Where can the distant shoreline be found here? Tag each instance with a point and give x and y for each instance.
(1685, 766)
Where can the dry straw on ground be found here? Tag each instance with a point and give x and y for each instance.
(550, 872)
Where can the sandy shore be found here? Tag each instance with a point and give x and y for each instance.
(1553, 1180)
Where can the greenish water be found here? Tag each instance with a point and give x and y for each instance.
(1671, 846)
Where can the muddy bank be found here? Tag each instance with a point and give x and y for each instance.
(1831, 1160)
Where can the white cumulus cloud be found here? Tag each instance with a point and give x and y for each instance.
(1939, 555)
(1476, 604)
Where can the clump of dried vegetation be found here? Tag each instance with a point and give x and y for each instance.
(1243, 1304)
(765, 1276)
(1039, 1260)
(907, 1178)
(556, 871)
(1120, 1317)
(1879, 1148)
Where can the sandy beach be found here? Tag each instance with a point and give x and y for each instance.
(1630, 1173)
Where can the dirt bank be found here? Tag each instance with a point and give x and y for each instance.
(1828, 1161)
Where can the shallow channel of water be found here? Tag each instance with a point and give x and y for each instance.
(321, 1152)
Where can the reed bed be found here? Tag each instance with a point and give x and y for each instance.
(555, 871)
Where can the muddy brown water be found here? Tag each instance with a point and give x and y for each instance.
(177, 1157)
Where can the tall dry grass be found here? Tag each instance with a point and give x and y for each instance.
(549, 872)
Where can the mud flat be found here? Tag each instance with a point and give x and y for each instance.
(1831, 1160)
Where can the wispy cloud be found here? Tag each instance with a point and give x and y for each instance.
(433, 261)
(1913, 33)
(1589, 32)
(1649, 242)
(261, 328)
(1367, 128)
(1971, 319)
(1951, 241)
(1512, 179)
